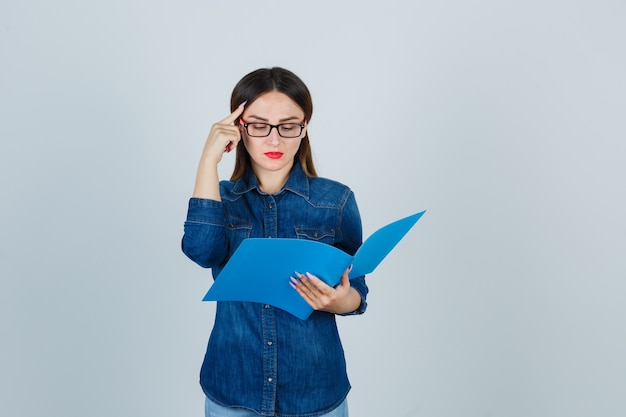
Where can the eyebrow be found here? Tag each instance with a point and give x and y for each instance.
(263, 119)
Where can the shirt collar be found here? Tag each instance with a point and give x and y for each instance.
(297, 182)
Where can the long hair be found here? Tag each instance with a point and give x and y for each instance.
(262, 81)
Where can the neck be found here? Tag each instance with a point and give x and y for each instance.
(273, 181)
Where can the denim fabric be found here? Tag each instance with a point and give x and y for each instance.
(260, 357)
(212, 409)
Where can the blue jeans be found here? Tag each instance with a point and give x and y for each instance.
(212, 409)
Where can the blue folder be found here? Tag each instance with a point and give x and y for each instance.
(260, 269)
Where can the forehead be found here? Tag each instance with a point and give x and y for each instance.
(273, 105)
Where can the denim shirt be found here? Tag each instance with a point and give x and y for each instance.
(261, 357)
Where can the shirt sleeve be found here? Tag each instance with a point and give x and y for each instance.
(351, 239)
(204, 238)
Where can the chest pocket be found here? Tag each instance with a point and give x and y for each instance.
(320, 235)
(237, 232)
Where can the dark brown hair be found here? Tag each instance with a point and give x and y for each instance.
(262, 81)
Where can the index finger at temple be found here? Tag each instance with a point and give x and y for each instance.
(234, 115)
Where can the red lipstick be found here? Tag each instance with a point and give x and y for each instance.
(273, 155)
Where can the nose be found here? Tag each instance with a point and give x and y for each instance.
(274, 137)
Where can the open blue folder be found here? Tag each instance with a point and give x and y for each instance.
(252, 274)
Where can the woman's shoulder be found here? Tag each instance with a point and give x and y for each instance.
(326, 183)
(227, 189)
(321, 188)
(227, 184)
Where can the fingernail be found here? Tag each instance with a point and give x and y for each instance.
(243, 104)
(299, 275)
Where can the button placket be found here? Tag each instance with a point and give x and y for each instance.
(270, 217)
(270, 358)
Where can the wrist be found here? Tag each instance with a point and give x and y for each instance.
(352, 302)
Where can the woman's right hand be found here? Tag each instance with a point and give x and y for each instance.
(223, 137)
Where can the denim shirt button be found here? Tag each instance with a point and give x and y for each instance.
(270, 379)
(269, 343)
(266, 306)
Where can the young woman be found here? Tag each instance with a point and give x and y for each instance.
(261, 360)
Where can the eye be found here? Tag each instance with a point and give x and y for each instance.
(287, 127)
(257, 128)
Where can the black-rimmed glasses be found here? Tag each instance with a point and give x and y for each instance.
(261, 130)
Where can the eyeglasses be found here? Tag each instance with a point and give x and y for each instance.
(285, 130)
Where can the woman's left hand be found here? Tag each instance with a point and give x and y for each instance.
(321, 296)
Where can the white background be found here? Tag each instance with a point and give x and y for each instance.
(504, 119)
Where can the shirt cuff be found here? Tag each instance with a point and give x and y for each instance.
(361, 288)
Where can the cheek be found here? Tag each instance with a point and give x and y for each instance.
(295, 146)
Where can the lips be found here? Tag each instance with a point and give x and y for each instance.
(273, 155)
